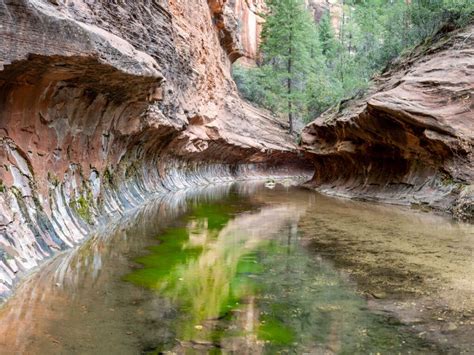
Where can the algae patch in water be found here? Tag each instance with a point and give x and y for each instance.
(158, 266)
(201, 273)
(177, 247)
(276, 332)
(240, 280)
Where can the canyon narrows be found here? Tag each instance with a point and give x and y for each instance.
(164, 213)
(102, 104)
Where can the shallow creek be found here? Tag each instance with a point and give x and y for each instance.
(241, 268)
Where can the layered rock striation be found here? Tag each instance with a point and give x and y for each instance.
(103, 104)
(409, 139)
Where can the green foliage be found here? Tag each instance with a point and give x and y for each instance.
(287, 45)
(82, 206)
(328, 65)
(108, 177)
(251, 84)
(327, 36)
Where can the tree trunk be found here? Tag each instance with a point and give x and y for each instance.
(290, 106)
(290, 103)
(341, 37)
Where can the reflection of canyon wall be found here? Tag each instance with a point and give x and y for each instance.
(83, 284)
(409, 139)
(103, 103)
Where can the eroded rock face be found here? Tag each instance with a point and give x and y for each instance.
(239, 23)
(247, 19)
(250, 15)
(410, 138)
(104, 103)
(334, 8)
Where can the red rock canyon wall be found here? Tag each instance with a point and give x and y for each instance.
(410, 138)
(104, 103)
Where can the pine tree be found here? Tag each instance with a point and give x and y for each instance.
(319, 88)
(307, 68)
(286, 50)
(327, 36)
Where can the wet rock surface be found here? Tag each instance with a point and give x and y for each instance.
(103, 104)
(409, 139)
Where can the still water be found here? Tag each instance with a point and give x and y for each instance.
(244, 269)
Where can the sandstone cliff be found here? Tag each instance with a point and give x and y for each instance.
(410, 138)
(334, 8)
(250, 19)
(249, 13)
(104, 103)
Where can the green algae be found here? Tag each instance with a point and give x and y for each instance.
(220, 277)
(159, 264)
(82, 206)
(195, 271)
(276, 331)
(216, 216)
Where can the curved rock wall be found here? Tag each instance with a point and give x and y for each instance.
(103, 104)
(410, 138)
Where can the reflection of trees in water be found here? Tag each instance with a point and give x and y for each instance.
(76, 277)
(209, 285)
(252, 256)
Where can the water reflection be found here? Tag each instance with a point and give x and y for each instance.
(246, 269)
(243, 283)
(208, 266)
(76, 300)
